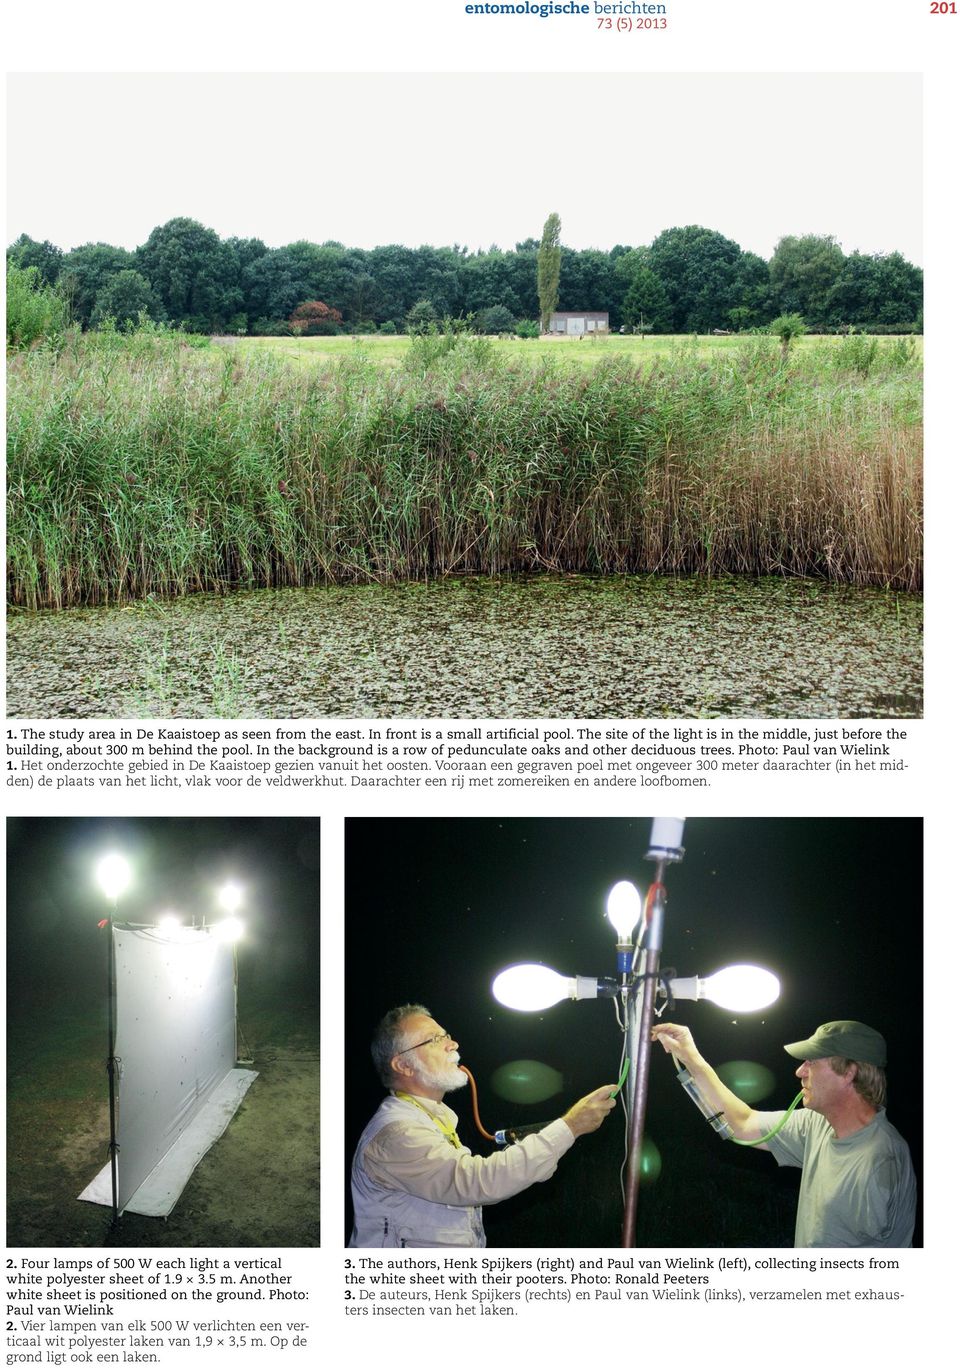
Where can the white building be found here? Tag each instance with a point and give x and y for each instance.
(575, 323)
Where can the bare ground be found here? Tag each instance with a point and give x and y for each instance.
(259, 1184)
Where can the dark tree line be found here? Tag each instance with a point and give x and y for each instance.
(689, 279)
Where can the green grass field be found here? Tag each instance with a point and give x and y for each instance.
(390, 351)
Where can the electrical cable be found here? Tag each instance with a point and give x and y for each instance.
(625, 1066)
(666, 978)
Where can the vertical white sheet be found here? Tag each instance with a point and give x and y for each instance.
(176, 1039)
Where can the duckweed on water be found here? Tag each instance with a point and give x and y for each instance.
(472, 648)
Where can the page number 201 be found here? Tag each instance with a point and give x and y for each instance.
(943, 7)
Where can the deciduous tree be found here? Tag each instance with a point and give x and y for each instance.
(47, 258)
(124, 297)
(191, 273)
(548, 269)
(313, 318)
(85, 271)
(803, 271)
(698, 268)
(646, 305)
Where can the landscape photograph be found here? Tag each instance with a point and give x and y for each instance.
(513, 401)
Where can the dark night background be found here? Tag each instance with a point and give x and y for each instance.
(434, 908)
(57, 1013)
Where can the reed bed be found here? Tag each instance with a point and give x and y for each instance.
(141, 466)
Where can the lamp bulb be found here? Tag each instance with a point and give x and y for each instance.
(624, 909)
(113, 876)
(742, 988)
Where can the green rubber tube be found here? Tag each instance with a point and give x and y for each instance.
(778, 1127)
(623, 1074)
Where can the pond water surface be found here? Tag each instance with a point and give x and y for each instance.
(475, 648)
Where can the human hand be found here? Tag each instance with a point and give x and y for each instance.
(676, 1040)
(591, 1111)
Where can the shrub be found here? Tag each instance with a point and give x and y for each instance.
(497, 319)
(126, 298)
(313, 318)
(35, 312)
(421, 318)
(271, 327)
(787, 327)
(856, 352)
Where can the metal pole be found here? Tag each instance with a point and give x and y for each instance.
(112, 1062)
(640, 1024)
(236, 995)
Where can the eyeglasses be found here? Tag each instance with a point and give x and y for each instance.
(433, 1040)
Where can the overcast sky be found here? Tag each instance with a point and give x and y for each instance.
(473, 159)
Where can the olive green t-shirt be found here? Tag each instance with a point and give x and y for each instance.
(859, 1191)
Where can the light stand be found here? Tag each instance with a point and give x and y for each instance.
(740, 987)
(113, 875)
(112, 1060)
(230, 898)
(640, 1002)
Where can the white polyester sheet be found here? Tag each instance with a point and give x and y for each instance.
(175, 1040)
(160, 1191)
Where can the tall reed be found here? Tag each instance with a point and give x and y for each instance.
(139, 466)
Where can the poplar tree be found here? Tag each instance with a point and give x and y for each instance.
(548, 270)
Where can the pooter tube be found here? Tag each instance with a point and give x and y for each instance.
(510, 1135)
(716, 1118)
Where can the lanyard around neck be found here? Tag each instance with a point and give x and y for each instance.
(448, 1128)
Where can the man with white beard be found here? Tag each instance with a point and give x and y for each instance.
(414, 1184)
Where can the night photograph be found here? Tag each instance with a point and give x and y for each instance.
(208, 929)
(436, 908)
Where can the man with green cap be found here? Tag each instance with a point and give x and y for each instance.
(858, 1187)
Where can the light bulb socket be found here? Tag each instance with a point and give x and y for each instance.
(666, 840)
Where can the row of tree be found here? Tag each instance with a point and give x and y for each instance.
(689, 279)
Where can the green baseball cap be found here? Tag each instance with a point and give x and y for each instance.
(849, 1039)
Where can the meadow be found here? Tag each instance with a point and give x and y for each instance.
(388, 350)
(592, 347)
(146, 466)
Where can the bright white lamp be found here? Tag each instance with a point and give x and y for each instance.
(532, 987)
(113, 876)
(230, 896)
(624, 909)
(738, 988)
